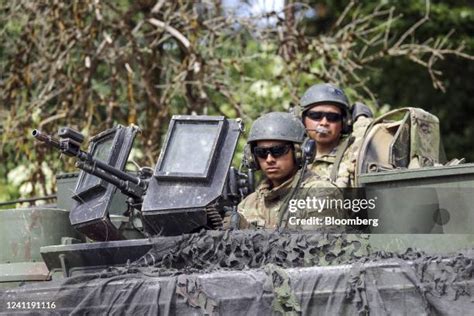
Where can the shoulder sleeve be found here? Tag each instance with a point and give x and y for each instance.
(316, 187)
(247, 209)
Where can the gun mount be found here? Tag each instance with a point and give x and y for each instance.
(190, 188)
(70, 142)
(102, 174)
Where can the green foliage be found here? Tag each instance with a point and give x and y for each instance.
(90, 65)
(401, 82)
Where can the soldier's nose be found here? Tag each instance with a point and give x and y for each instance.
(270, 158)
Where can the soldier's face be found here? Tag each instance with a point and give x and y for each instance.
(332, 129)
(277, 169)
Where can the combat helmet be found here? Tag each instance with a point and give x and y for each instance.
(327, 93)
(275, 126)
(324, 93)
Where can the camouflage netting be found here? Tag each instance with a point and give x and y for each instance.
(261, 272)
(443, 283)
(237, 250)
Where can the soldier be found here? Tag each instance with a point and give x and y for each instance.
(275, 147)
(326, 115)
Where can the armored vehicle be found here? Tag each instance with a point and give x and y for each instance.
(150, 241)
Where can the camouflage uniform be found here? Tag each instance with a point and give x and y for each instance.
(262, 208)
(323, 164)
(325, 93)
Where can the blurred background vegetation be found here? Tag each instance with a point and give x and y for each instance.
(91, 64)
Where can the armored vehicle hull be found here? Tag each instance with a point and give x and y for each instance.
(418, 259)
(248, 272)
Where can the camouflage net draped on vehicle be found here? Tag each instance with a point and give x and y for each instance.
(237, 250)
(264, 272)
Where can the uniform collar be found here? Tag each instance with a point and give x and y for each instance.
(263, 190)
(331, 155)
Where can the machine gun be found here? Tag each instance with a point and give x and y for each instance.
(102, 174)
(69, 143)
(190, 188)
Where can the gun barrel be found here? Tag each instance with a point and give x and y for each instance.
(69, 144)
(129, 189)
(118, 173)
(45, 138)
(89, 159)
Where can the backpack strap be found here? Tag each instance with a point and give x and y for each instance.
(339, 154)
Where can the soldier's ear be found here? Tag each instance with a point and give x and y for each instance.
(249, 159)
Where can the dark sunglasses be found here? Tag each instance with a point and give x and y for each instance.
(330, 116)
(275, 151)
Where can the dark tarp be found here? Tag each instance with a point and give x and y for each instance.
(248, 272)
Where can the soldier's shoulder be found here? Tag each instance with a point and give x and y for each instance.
(249, 202)
(361, 123)
(315, 186)
(358, 134)
(313, 180)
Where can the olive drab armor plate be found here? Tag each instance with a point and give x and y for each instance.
(432, 200)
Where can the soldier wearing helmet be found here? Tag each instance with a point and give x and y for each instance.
(327, 117)
(275, 147)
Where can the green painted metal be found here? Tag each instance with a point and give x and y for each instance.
(427, 209)
(23, 231)
(66, 184)
(428, 200)
(23, 271)
(462, 173)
